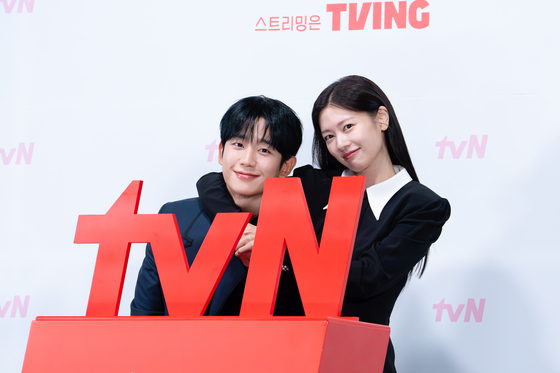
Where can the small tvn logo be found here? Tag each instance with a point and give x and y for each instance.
(454, 315)
(16, 306)
(9, 5)
(475, 146)
(22, 152)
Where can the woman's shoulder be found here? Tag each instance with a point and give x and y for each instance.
(417, 196)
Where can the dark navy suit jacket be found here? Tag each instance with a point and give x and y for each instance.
(194, 224)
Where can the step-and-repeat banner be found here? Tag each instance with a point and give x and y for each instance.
(94, 95)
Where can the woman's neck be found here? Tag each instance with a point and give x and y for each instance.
(382, 171)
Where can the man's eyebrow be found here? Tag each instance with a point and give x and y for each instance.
(265, 141)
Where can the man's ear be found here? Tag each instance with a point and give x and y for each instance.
(220, 150)
(287, 167)
(382, 118)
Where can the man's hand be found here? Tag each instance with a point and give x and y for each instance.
(245, 245)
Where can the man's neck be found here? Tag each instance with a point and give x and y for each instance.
(247, 204)
(251, 205)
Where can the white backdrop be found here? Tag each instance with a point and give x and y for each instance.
(94, 95)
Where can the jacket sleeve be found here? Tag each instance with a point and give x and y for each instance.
(214, 195)
(390, 260)
(148, 295)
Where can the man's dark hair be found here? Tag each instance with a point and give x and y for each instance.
(282, 125)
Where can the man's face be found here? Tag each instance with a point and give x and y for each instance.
(246, 163)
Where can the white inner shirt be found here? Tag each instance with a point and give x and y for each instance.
(380, 194)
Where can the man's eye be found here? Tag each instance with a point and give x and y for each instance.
(237, 144)
(264, 150)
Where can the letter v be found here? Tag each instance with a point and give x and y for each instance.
(454, 316)
(7, 158)
(4, 309)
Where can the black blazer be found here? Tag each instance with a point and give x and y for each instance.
(386, 250)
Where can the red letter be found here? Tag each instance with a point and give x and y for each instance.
(355, 22)
(391, 13)
(376, 16)
(187, 293)
(424, 21)
(321, 273)
(336, 9)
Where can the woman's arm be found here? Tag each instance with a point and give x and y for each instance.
(415, 226)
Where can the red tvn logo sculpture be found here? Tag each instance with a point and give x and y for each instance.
(188, 341)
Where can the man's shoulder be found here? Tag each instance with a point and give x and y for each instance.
(189, 204)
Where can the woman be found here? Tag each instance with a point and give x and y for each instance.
(357, 133)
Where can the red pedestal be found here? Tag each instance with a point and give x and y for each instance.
(190, 342)
(210, 344)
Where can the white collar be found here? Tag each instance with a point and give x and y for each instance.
(380, 194)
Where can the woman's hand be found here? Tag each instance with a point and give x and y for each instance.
(245, 245)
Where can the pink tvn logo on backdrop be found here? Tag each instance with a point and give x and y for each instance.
(475, 146)
(10, 5)
(454, 314)
(21, 152)
(16, 306)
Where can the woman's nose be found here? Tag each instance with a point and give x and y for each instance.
(342, 142)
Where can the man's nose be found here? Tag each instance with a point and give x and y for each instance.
(249, 157)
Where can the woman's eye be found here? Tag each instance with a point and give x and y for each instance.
(348, 126)
(328, 137)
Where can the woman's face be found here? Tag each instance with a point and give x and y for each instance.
(356, 139)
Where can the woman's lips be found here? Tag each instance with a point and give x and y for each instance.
(350, 154)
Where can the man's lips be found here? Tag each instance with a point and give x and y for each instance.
(243, 175)
(350, 154)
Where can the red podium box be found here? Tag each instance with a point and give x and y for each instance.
(211, 344)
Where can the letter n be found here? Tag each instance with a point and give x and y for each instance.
(477, 312)
(28, 5)
(321, 273)
(474, 145)
(21, 307)
(392, 13)
(26, 154)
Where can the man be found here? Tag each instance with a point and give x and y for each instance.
(259, 139)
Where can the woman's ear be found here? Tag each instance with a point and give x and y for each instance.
(382, 118)
(287, 167)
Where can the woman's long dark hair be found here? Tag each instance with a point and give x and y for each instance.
(359, 94)
(356, 93)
